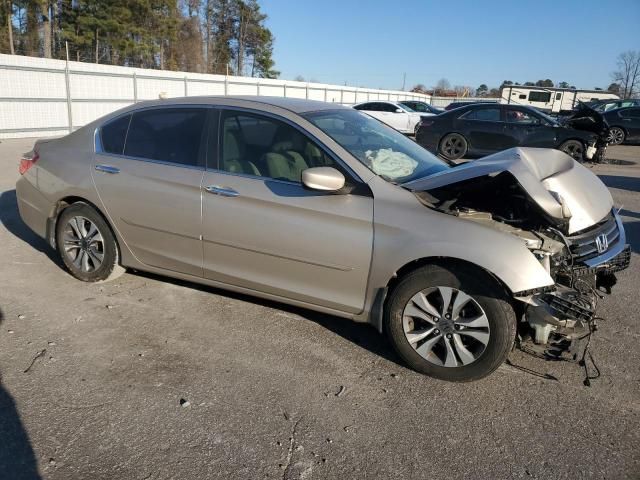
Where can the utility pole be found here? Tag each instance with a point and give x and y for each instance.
(404, 80)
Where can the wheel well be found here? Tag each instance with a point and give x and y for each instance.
(620, 127)
(67, 202)
(443, 261)
(380, 303)
(582, 141)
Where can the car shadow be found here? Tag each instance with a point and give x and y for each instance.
(361, 334)
(17, 458)
(631, 184)
(10, 219)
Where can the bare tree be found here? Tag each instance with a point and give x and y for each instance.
(628, 73)
(442, 86)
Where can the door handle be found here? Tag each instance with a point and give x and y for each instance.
(107, 169)
(222, 191)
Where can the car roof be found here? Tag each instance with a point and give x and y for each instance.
(379, 101)
(296, 105)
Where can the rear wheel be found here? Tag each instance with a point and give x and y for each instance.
(573, 148)
(616, 136)
(86, 244)
(451, 322)
(453, 146)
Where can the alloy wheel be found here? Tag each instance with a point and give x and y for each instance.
(453, 147)
(445, 326)
(83, 244)
(616, 136)
(575, 150)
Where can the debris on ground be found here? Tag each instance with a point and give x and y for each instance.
(37, 356)
(184, 403)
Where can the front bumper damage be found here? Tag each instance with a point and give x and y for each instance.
(562, 318)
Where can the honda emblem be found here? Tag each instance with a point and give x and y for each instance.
(602, 243)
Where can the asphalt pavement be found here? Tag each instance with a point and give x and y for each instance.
(152, 378)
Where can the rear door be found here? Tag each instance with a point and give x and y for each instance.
(630, 118)
(483, 128)
(264, 231)
(526, 129)
(150, 186)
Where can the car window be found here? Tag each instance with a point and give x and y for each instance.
(483, 114)
(385, 151)
(364, 106)
(628, 103)
(388, 107)
(522, 117)
(266, 147)
(113, 134)
(167, 134)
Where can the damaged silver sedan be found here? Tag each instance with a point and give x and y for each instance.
(323, 207)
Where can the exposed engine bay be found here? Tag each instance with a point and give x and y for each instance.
(565, 217)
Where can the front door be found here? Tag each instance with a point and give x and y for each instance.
(264, 231)
(527, 129)
(150, 187)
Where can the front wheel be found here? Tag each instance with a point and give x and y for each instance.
(616, 136)
(453, 146)
(454, 323)
(574, 149)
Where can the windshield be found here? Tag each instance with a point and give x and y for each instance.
(551, 120)
(407, 107)
(382, 149)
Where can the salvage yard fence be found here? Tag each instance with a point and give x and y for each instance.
(45, 97)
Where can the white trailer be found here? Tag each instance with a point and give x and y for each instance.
(552, 100)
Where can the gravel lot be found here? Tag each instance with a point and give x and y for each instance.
(151, 378)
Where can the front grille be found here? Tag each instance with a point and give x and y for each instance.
(584, 244)
(616, 264)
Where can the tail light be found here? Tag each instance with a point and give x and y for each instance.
(27, 161)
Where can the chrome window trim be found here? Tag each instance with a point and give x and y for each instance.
(256, 177)
(277, 117)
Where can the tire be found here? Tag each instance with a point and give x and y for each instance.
(87, 245)
(453, 146)
(616, 136)
(574, 148)
(478, 345)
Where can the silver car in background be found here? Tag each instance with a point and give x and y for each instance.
(320, 206)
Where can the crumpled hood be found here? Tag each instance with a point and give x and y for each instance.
(539, 171)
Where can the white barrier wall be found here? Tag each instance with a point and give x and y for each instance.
(44, 97)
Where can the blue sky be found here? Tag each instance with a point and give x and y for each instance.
(372, 43)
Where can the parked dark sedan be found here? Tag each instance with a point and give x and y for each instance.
(482, 129)
(624, 125)
(606, 105)
(421, 107)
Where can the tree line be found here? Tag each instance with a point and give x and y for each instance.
(204, 36)
(626, 82)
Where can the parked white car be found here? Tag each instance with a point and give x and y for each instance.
(393, 114)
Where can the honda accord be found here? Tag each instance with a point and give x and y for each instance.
(323, 207)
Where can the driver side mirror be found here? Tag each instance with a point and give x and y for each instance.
(325, 179)
(399, 110)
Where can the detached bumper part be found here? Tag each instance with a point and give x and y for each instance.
(561, 321)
